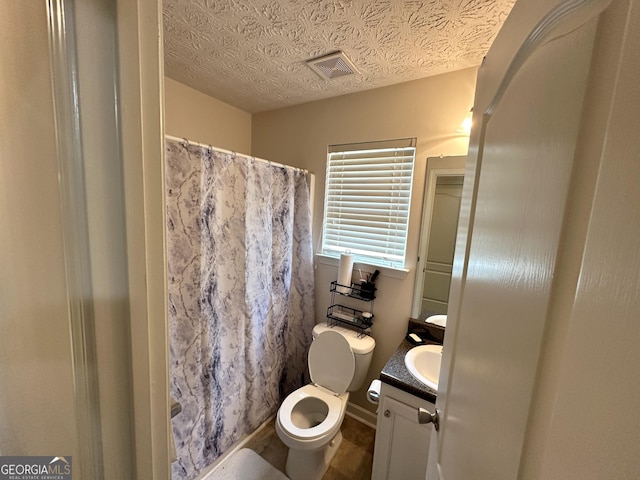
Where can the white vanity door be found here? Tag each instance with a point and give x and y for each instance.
(400, 451)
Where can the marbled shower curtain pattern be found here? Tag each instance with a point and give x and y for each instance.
(240, 295)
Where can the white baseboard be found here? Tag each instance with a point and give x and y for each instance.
(362, 415)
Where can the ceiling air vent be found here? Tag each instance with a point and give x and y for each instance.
(332, 66)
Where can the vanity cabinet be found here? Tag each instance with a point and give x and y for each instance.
(402, 444)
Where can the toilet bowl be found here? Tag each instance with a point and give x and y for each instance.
(311, 416)
(309, 419)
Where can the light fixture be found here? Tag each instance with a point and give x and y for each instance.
(465, 126)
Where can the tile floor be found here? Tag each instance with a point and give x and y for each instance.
(353, 460)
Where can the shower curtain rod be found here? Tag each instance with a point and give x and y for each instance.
(211, 147)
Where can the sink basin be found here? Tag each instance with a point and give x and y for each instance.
(423, 363)
(440, 320)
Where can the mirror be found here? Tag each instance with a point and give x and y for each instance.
(440, 212)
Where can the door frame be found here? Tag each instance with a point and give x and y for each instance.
(141, 82)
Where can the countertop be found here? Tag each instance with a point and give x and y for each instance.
(395, 373)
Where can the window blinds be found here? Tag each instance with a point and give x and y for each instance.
(367, 200)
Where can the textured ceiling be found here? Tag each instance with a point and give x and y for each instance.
(252, 53)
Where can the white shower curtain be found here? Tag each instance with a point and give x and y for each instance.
(240, 295)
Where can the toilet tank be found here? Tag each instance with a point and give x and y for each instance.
(362, 348)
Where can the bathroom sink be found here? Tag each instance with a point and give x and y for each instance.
(423, 363)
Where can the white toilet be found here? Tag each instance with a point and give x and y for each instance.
(309, 419)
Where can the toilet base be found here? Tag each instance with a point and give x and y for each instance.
(312, 464)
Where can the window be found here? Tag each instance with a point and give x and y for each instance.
(366, 202)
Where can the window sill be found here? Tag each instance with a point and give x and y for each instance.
(392, 272)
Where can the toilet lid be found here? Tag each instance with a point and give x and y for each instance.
(331, 362)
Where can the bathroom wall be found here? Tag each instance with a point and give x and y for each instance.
(201, 118)
(37, 404)
(429, 109)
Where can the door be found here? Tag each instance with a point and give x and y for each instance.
(400, 438)
(541, 116)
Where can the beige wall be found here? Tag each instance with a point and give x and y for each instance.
(201, 118)
(37, 401)
(431, 110)
(58, 286)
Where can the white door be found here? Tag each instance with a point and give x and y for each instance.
(400, 439)
(542, 110)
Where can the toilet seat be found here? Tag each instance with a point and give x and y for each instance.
(332, 420)
(331, 362)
